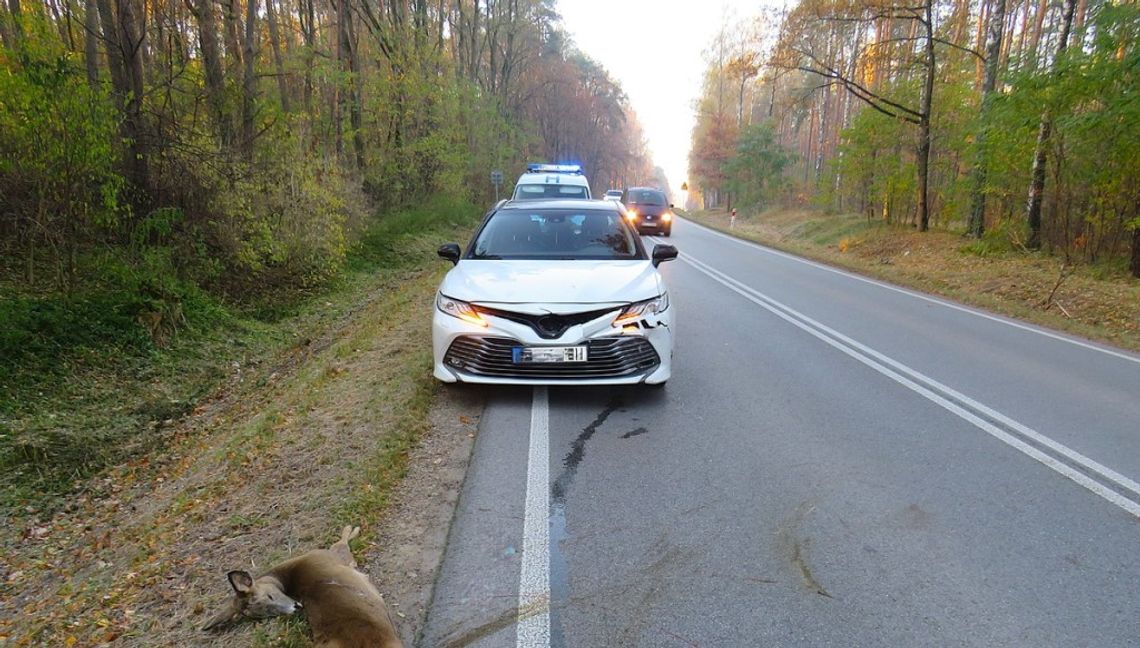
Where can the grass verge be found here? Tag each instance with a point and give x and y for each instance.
(308, 436)
(1100, 302)
(83, 385)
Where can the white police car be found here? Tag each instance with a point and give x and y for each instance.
(552, 181)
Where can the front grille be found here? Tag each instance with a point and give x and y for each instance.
(548, 326)
(610, 357)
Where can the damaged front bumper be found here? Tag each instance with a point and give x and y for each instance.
(636, 351)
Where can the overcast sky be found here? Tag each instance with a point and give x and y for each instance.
(653, 48)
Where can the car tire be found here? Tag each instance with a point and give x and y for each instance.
(667, 233)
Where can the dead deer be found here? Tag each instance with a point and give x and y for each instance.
(343, 607)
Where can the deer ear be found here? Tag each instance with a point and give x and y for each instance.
(241, 581)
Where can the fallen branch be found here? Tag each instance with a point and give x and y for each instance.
(1066, 270)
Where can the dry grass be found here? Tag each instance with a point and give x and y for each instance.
(270, 467)
(1093, 302)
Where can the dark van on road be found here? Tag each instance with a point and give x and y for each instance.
(649, 210)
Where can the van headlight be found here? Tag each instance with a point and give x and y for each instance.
(638, 310)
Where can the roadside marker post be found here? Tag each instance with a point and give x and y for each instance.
(496, 179)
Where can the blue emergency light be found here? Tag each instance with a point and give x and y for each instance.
(535, 167)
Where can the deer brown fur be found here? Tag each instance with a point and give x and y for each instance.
(343, 607)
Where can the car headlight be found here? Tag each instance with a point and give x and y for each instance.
(638, 310)
(631, 215)
(667, 217)
(459, 309)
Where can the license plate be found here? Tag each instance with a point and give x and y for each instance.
(549, 354)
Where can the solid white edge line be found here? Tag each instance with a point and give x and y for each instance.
(941, 302)
(1065, 470)
(1024, 430)
(533, 630)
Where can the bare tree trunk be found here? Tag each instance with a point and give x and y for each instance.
(278, 60)
(821, 132)
(772, 96)
(17, 18)
(338, 98)
(133, 46)
(114, 52)
(249, 80)
(62, 22)
(231, 30)
(924, 123)
(6, 37)
(212, 62)
(125, 66)
(1035, 40)
(1082, 9)
(349, 43)
(91, 42)
(1041, 153)
(1134, 266)
(977, 221)
(1023, 29)
(308, 22)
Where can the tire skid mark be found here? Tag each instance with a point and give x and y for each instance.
(577, 452)
(559, 569)
(797, 548)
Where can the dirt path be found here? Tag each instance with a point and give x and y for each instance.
(273, 465)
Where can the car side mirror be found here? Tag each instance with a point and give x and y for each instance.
(670, 205)
(662, 253)
(449, 251)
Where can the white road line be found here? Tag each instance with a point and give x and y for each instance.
(864, 355)
(534, 577)
(958, 307)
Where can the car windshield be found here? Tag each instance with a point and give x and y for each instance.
(646, 197)
(614, 193)
(546, 191)
(555, 234)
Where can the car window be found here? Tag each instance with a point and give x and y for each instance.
(545, 191)
(555, 234)
(646, 197)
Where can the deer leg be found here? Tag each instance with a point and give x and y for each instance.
(341, 549)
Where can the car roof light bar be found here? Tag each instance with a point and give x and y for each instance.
(535, 167)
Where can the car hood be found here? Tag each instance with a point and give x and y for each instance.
(546, 285)
(648, 210)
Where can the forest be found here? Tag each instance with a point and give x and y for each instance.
(1015, 121)
(240, 145)
(169, 165)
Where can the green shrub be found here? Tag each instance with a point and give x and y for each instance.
(59, 186)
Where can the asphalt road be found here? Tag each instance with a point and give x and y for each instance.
(836, 462)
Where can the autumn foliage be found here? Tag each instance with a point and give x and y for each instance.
(927, 114)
